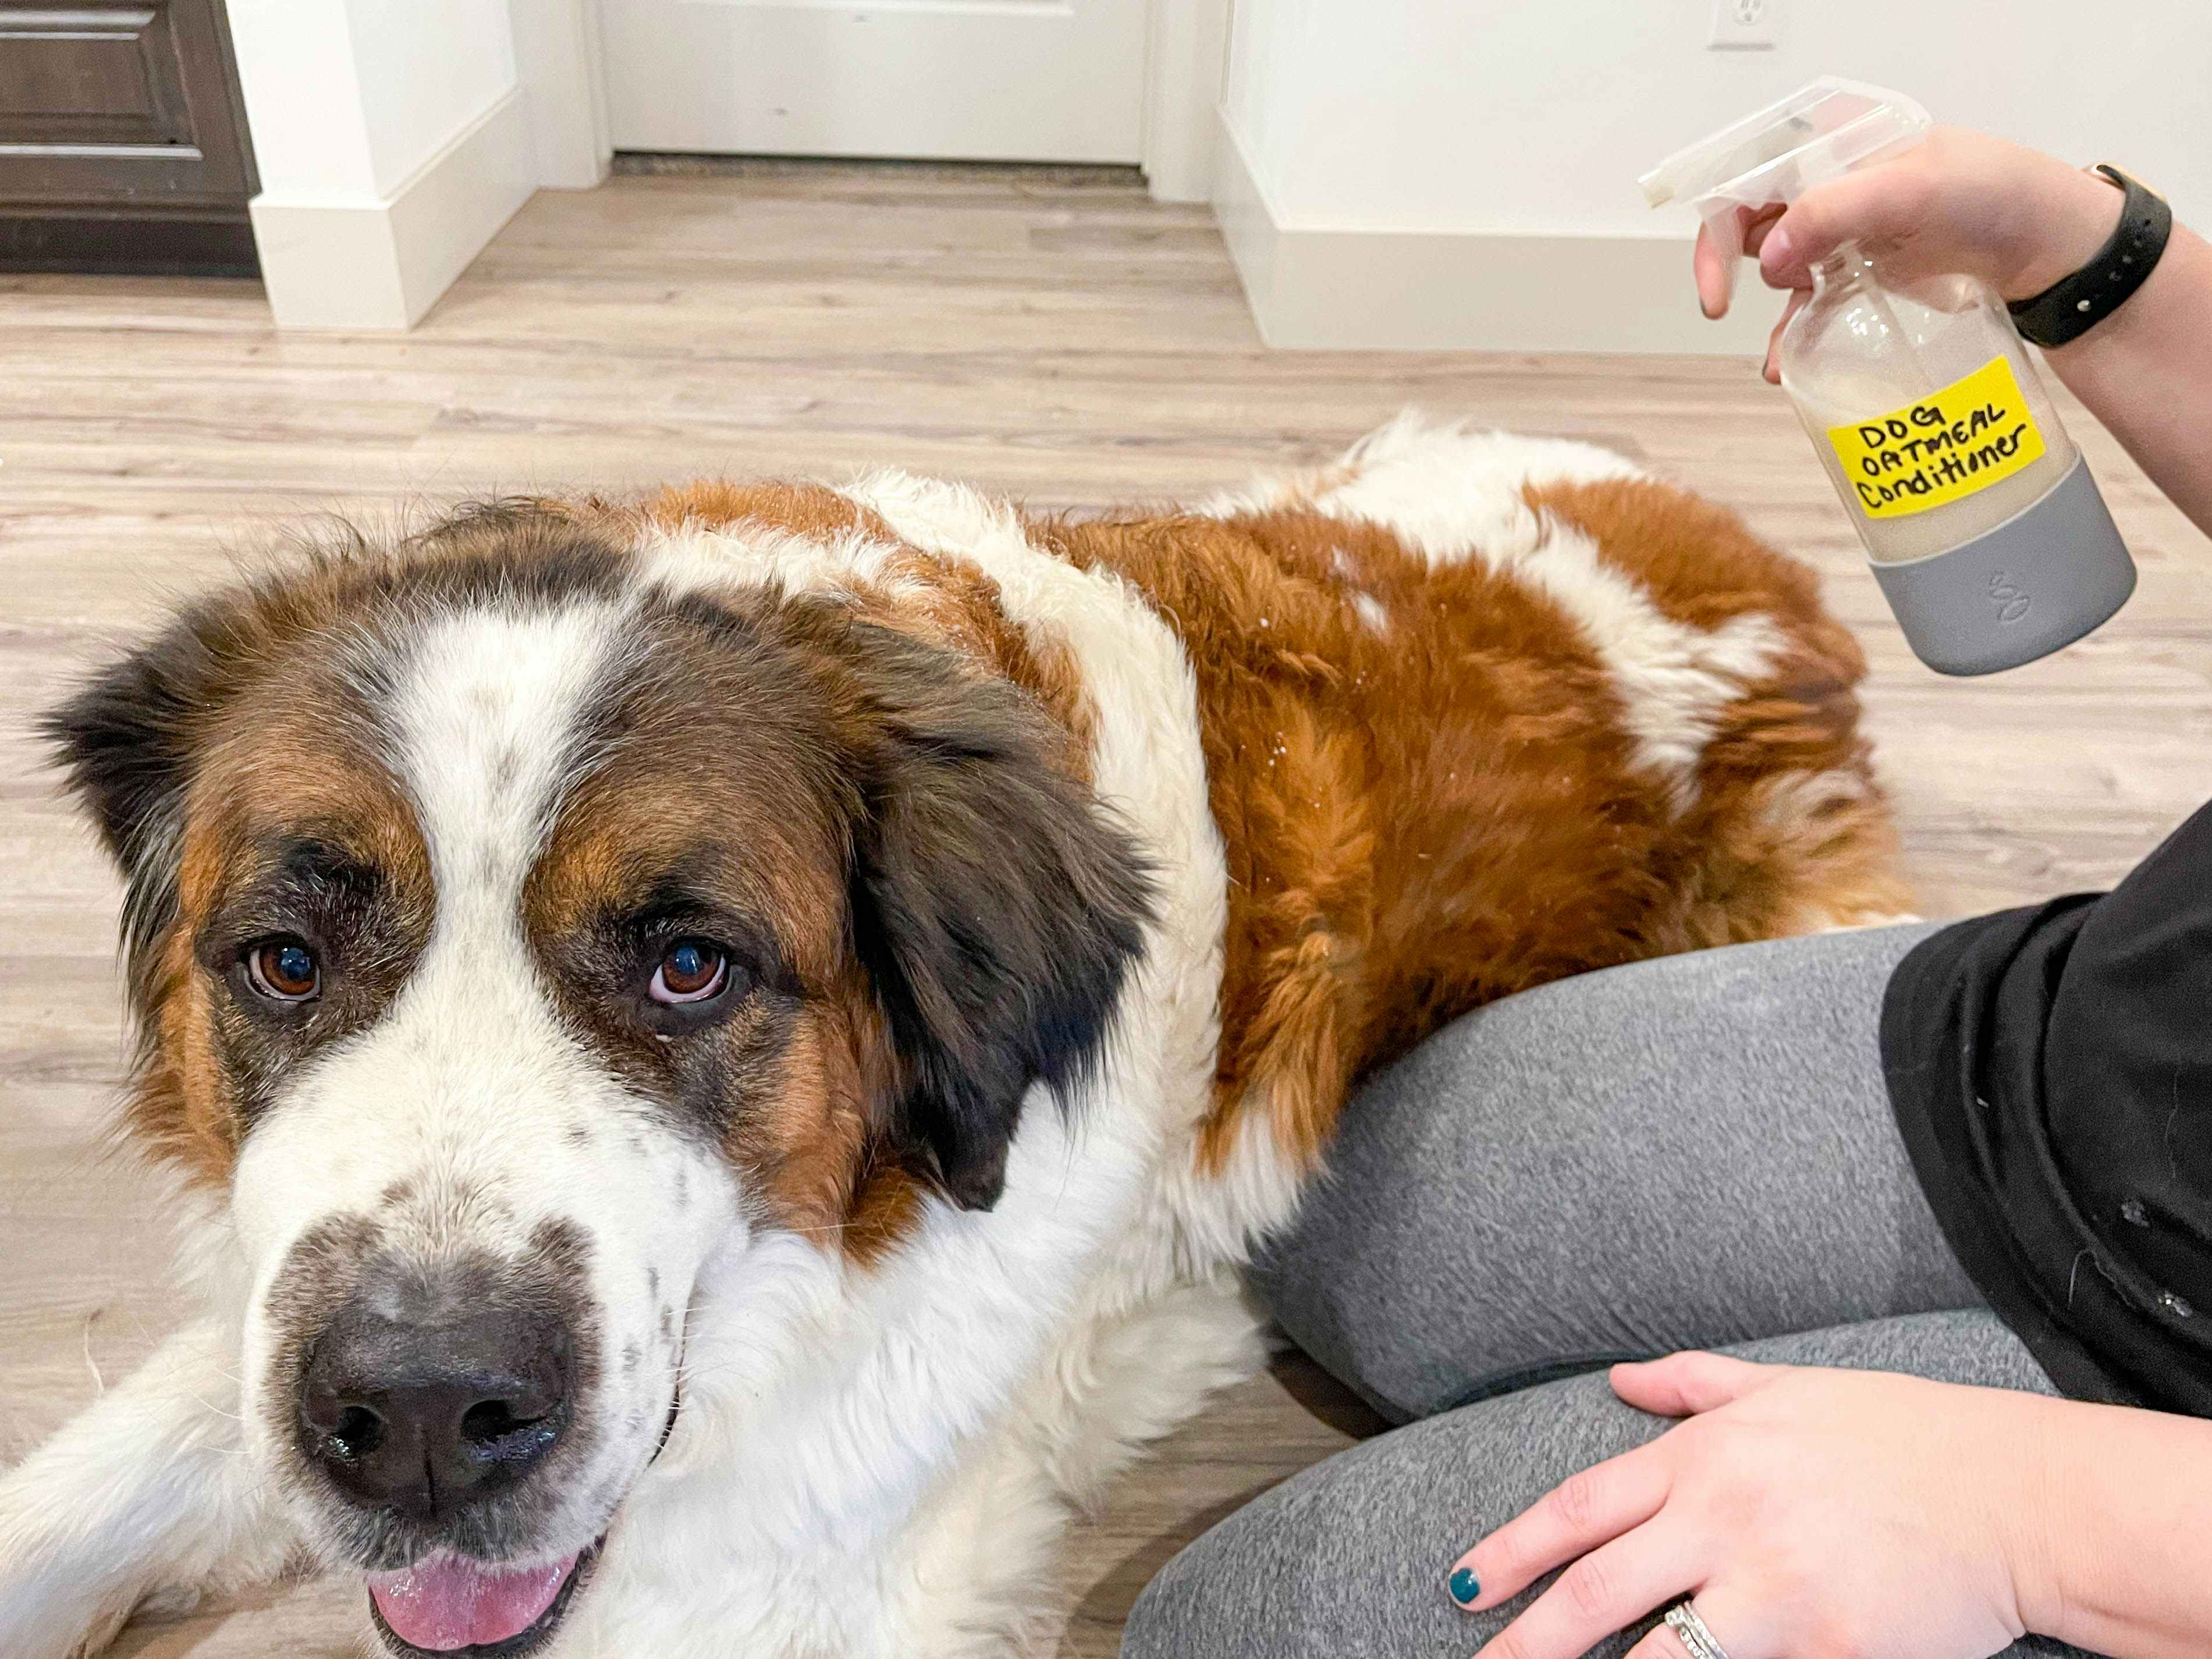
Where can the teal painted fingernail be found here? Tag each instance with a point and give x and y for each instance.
(1465, 1587)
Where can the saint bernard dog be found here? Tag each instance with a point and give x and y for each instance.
(720, 1053)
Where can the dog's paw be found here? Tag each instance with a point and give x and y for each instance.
(48, 1613)
(39, 1619)
(51, 1607)
(106, 1625)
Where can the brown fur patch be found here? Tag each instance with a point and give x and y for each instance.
(272, 770)
(1421, 821)
(953, 604)
(947, 601)
(815, 1146)
(742, 709)
(812, 1138)
(716, 787)
(1798, 833)
(807, 510)
(179, 1110)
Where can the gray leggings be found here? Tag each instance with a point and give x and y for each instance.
(1695, 1152)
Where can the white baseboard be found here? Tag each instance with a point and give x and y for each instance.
(1318, 288)
(382, 263)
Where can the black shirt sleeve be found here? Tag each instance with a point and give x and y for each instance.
(2051, 1073)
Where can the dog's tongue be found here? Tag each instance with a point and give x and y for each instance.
(451, 1603)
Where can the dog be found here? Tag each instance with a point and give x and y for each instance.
(720, 1053)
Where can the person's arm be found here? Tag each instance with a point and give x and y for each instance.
(2124, 1562)
(2146, 372)
(1812, 1511)
(2020, 221)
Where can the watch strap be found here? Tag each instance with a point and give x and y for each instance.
(2074, 305)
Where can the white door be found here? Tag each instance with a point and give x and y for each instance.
(982, 80)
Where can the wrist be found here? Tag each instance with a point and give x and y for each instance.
(2035, 1515)
(2105, 1543)
(2071, 214)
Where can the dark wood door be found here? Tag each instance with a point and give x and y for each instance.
(122, 139)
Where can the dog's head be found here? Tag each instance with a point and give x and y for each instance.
(507, 933)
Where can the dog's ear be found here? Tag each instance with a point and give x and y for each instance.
(997, 908)
(124, 743)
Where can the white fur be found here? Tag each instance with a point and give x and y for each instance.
(147, 1496)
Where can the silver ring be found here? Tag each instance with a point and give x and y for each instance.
(1683, 1619)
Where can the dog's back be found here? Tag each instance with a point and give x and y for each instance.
(1482, 711)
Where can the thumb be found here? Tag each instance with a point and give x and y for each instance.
(1685, 1384)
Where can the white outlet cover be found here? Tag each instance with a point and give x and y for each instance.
(1746, 25)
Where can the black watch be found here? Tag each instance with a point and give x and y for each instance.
(2074, 305)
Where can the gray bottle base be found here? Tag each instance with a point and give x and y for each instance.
(2039, 581)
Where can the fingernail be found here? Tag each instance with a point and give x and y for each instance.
(1466, 1589)
(1774, 252)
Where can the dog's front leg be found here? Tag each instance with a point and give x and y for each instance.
(148, 1495)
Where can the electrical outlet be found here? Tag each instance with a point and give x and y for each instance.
(1745, 25)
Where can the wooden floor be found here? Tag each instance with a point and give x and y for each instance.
(1049, 333)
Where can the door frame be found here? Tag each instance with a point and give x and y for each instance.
(1186, 54)
(1186, 61)
(557, 59)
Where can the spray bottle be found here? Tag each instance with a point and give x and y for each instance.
(1986, 530)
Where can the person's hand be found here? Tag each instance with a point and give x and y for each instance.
(1960, 202)
(1810, 1513)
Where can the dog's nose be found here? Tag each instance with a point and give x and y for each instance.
(425, 1419)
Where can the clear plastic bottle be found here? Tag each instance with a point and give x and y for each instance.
(1982, 524)
(1861, 348)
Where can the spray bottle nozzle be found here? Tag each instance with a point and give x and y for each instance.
(1771, 158)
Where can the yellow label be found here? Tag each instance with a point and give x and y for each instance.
(1967, 437)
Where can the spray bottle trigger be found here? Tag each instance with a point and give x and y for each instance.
(1770, 158)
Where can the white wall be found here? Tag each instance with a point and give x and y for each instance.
(351, 97)
(427, 69)
(302, 104)
(393, 139)
(1461, 119)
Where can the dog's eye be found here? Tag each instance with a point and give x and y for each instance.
(690, 970)
(284, 970)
